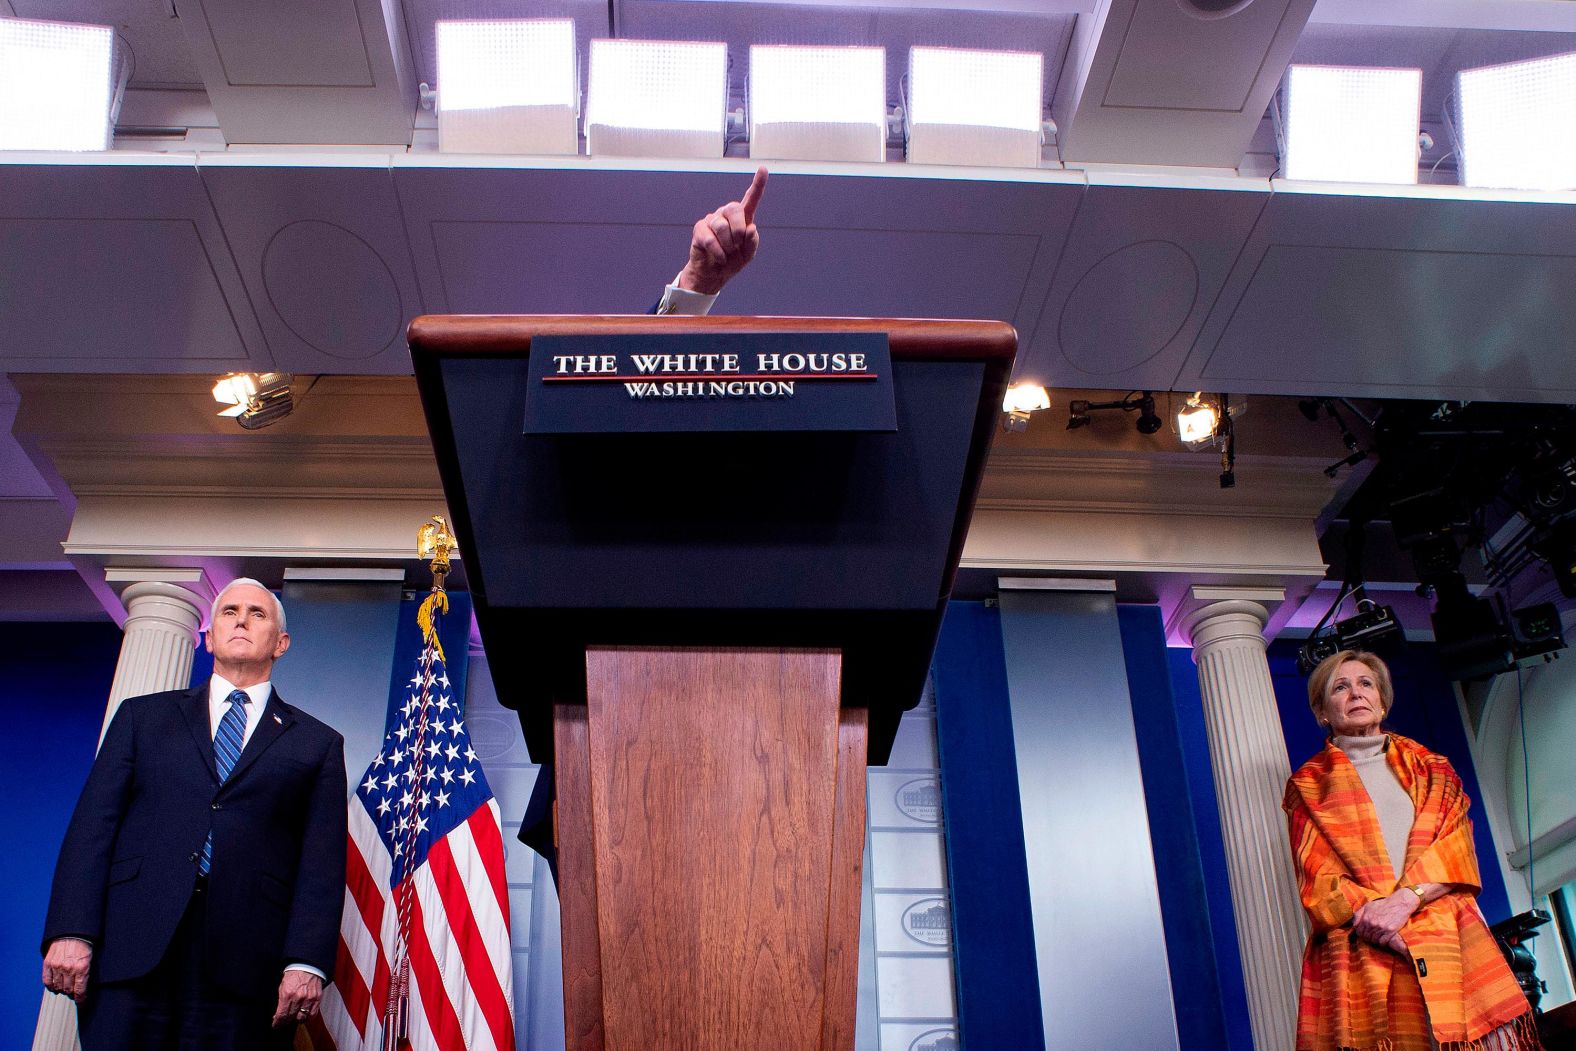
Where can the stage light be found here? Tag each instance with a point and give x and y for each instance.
(1078, 415)
(1348, 124)
(1373, 628)
(233, 390)
(1518, 124)
(656, 98)
(1021, 400)
(508, 86)
(1148, 421)
(818, 103)
(974, 107)
(254, 399)
(1197, 422)
(58, 85)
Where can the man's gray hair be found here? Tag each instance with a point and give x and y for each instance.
(279, 607)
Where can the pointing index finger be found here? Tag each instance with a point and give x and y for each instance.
(752, 196)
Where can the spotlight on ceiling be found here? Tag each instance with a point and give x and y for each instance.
(975, 107)
(62, 85)
(1021, 400)
(1197, 422)
(1078, 414)
(1347, 124)
(1516, 124)
(657, 98)
(1148, 421)
(818, 103)
(508, 86)
(255, 399)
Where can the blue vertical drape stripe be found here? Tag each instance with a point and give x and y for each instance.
(998, 985)
(1185, 905)
(1193, 738)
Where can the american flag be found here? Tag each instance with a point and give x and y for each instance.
(424, 956)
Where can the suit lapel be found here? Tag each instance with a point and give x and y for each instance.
(195, 709)
(275, 721)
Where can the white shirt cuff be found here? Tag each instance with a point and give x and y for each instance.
(308, 968)
(683, 302)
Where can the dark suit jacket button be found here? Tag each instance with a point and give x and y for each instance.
(193, 856)
(217, 807)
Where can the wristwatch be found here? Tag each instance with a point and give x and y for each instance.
(1416, 888)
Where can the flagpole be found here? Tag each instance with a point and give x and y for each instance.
(434, 541)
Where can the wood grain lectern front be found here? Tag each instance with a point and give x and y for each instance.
(709, 558)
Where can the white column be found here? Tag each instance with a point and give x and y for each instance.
(1247, 751)
(156, 653)
(159, 643)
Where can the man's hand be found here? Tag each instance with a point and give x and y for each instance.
(1380, 921)
(299, 995)
(66, 967)
(723, 242)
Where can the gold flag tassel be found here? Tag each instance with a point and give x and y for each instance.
(433, 541)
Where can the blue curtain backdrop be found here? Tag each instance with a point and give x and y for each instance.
(56, 680)
(1184, 830)
(985, 846)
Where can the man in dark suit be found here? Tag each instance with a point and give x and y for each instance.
(196, 900)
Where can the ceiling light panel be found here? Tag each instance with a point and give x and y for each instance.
(974, 107)
(1346, 124)
(656, 98)
(57, 86)
(508, 86)
(1518, 124)
(818, 103)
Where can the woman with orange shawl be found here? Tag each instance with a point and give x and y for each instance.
(1399, 958)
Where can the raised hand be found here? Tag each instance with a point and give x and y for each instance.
(724, 241)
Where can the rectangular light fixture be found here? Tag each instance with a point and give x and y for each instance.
(975, 107)
(1518, 124)
(818, 103)
(508, 86)
(58, 83)
(656, 98)
(1350, 124)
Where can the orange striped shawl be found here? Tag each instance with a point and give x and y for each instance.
(1359, 996)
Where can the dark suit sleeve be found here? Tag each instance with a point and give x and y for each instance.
(76, 900)
(313, 935)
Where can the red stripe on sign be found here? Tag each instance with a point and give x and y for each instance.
(441, 1019)
(480, 974)
(718, 377)
(489, 846)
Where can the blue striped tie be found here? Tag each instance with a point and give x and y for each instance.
(226, 750)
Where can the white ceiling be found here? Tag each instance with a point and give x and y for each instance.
(1176, 263)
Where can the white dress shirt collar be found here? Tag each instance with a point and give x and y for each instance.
(219, 690)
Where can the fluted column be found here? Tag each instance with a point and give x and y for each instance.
(1247, 751)
(156, 652)
(159, 642)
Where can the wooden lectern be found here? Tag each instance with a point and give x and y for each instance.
(709, 633)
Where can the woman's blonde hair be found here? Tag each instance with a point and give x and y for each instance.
(1319, 680)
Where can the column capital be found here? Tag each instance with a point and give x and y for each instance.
(174, 607)
(1230, 619)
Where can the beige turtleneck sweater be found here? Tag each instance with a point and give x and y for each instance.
(1393, 805)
